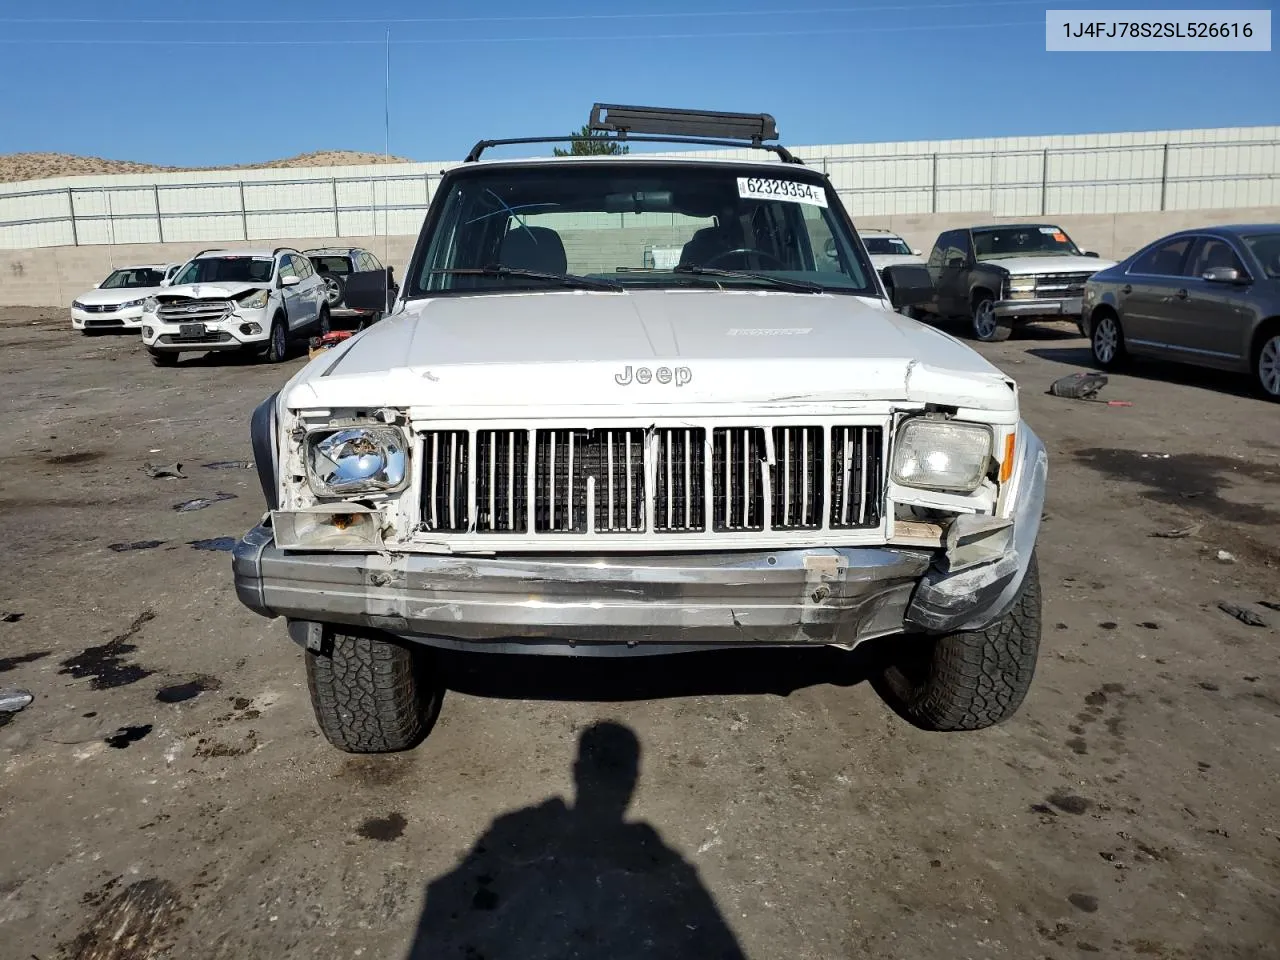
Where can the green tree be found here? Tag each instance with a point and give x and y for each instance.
(599, 145)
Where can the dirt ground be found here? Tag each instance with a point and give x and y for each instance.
(167, 795)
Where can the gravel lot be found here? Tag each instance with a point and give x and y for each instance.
(1128, 810)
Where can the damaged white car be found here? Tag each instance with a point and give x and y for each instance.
(552, 446)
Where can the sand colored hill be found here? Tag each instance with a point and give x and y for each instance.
(38, 166)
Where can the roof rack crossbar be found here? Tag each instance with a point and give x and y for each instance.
(783, 153)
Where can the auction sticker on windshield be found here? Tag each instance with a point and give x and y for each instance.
(759, 188)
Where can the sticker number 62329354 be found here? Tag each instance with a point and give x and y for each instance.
(759, 188)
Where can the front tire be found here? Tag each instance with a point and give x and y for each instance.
(278, 345)
(1106, 341)
(988, 327)
(972, 679)
(1267, 365)
(371, 695)
(323, 324)
(163, 358)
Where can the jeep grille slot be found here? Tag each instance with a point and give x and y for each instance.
(737, 479)
(679, 480)
(600, 472)
(796, 478)
(445, 489)
(193, 311)
(502, 481)
(856, 477)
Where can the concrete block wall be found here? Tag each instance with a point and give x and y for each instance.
(53, 276)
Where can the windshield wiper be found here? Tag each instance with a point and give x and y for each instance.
(787, 283)
(499, 270)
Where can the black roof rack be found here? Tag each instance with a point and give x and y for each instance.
(666, 125)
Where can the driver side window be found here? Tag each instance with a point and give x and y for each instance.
(286, 267)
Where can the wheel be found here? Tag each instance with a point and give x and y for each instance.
(323, 325)
(1107, 340)
(278, 346)
(334, 289)
(371, 695)
(163, 358)
(972, 679)
(988, 327)
(1267, 365)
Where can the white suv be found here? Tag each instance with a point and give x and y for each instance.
(255, 300)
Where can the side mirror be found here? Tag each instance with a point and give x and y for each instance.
(908, 285)
(829, 249)
(956, 263)
(166, 282)
(915, 253)
(1222, 275)
(290, 281)
(1091, 253)
(369, 290)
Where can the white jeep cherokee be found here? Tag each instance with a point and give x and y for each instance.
(549, 447)
(256, 300)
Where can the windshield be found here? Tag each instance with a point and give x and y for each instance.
(132, 277)
(993, 243)
(639, 225)
(882, 244)
(226, 270)
(1266, 247)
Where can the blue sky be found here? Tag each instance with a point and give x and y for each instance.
(829, 71)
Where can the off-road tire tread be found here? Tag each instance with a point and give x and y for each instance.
(371, 695)
(978, 678)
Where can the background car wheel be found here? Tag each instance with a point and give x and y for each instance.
(988, 327)
(1268, 364)
(334, 289)
(163, 358)
(1107, 340)
(972, 679)
(278, 345)
(371, 695)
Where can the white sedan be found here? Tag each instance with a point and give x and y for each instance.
(116, 303)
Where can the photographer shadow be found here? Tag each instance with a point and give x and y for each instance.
(580, 881)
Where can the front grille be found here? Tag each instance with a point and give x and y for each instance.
(662, 480)
(100, 308)
(1055, 285)
(193, 311)
(213, 336)
(109, 322)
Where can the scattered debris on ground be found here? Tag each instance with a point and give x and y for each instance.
(1078, 386)
(13, 700)
(226, 544)
(7, 616)
(163, 471)
(136, 545)
(1243, 614)
(1226, 557)
(1188, 531)
(230, 465)
(199, 503)
(127, 735)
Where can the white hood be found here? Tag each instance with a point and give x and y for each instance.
(1020, 266)
(882, 260)
(116, 295)
(211, 291)
(587, 349)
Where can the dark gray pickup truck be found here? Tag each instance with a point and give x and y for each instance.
(996, 276)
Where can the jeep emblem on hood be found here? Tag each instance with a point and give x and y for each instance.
(680, 375)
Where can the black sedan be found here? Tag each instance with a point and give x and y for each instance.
(1209, 297)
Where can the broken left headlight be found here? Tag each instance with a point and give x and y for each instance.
(357, 460)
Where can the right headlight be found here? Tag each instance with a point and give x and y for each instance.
(257, 300)
(942, 455)
(357, 460)
(149, 305)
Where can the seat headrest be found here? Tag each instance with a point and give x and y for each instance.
(534, 248)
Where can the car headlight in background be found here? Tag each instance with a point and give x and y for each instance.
(942, 455)
(256, 301)
(130, 303)
(357, 460)
(77, 305)
(1021, 288)
(150, 304)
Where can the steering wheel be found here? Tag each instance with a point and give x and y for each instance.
(743, 252)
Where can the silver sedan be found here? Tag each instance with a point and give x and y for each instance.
(1209, 297)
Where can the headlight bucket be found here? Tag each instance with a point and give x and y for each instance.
(150, 304)
(946, 455)
(256, 301)
(356, 460)
(1021, 288)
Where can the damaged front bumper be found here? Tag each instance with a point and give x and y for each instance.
(650, 603)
